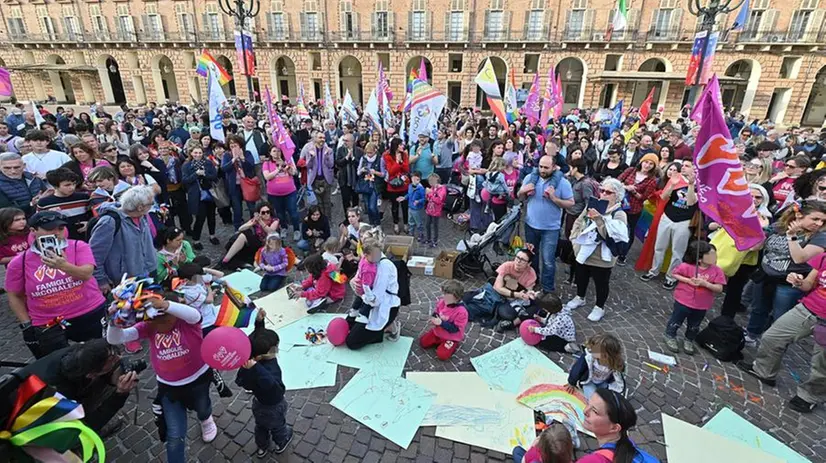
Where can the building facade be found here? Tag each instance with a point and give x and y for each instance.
(113, 51)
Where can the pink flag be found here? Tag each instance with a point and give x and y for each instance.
(533, 104)
(722, 188)
(5, 83)
(422, 70)
(548, 99)
(383, 87)
(280, 137)
(697, 112)
(560, 99)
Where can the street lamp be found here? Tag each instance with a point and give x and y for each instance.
(240, 10)
(709, 16)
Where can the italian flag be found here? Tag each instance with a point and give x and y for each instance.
(620, 17)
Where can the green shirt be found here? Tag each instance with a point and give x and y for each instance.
(163, 259)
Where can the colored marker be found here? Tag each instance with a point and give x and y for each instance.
(652, 366)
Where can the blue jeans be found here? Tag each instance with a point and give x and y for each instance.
(692, 318)
(285, 207)
(271, 424)
(544, 242)
(174, 414)
(518, 454)
(271, 282)
(372, 201)
(236, 200)
(785, 297)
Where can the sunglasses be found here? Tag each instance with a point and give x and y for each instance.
(264, 212)
(821, 188)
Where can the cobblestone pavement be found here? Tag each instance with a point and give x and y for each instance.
(636, 312)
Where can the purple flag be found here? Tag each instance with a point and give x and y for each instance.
(422, 70)
(722, 188)
(5, 83)
(549, 99)
(280, 137)
(533, 104)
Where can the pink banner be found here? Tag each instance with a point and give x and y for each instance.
(533, 104)
(549, 99)
(721, 184)
(5, 83)
(280, 137)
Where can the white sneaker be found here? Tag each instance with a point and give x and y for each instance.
(395, 331)
(335, 191)
(596, 314)
(750, 341)
(575, 303)
(208, 430)
(297, 236)
(571, 348)
(378, 202)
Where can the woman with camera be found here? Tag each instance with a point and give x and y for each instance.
(51, 289)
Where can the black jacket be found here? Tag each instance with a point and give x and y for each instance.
(259, 139)
(347, 168)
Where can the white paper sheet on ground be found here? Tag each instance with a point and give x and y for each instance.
(386, 403)
(503, 367)
(461, 398)
(387, 356)
(246, 281)
(729, 424)
(662, 358)
(281, 310)
(686, 443)
(306, 367)
(515, 426)
(557, 409)
(294, 334)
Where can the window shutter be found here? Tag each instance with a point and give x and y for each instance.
(587, 24)
(814, 25)
(373, 19)
(676, 21)
(546, 21)
(410, 33)
(163, 27)
(270, 28)
(447, 25)
(391, 24)
(465, 25)
(303, 20)
(342, 20)
(207, 25)
(768, 22)
(526, 21)
(322, 23)
(633, 22)
(569, 32)
(146, 27)
(654, 17)
(506, 25)
(486, 30)
(429, 25)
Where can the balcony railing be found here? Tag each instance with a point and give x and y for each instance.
(527, 35)
(362, 36)
(578, 35)
(669, 35)
(789, 36)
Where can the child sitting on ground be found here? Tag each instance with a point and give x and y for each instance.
(331, 249)
(601, 366)
(553, 445)
(262, 376)
(698, 280)
(449, 321)
(273, 261)
(557, 330)
(319, 288)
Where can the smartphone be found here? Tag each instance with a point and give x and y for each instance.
(600, 205)
(48, 243)
(542, 313)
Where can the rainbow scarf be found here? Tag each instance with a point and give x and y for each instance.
(43, 425)
(236, 309)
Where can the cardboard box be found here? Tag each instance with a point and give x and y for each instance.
(443, 265)
(398, 246)
(420, 265)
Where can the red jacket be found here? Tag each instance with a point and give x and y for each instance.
(323, 287)
(395, 169)
(644, 189)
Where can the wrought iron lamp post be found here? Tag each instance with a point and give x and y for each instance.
(240, 11)
(708, 14)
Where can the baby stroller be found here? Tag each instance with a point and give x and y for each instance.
(473, 259)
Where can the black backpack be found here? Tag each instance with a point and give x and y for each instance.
(723, 338)
(90, 227)
(404, 280)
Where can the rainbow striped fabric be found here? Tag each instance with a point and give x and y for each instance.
(236, 309)
(205, 62)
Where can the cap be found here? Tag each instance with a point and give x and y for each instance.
(47, 220)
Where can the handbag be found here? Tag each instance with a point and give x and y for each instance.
(219, 195)
(396, 182)
(250, 187)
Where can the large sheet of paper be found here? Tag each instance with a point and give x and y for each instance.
(502, 368)
(686, 443)
(728, 424)
(281, 310)
(462, 398)
(295, 333)
(544, 389)
(386, 403)
(306, 367)
(386, 356)
(515, 426)
(246, 281)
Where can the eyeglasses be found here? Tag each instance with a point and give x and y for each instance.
(111, 149)
(821, 188)
(521, 259)
(264, 212)
(606, 192)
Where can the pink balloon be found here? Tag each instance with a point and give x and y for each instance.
(337, 331)
(226, 348)
(530, 339)
(485, 195)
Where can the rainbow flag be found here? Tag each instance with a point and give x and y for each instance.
(236, 309)
(205, 61)
(300, 109)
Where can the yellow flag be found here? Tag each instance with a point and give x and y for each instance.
(630, 134)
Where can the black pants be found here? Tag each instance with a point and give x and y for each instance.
(81, 328)
(734, 290)
(632, 225)
(360, 336)
(226, 215)
(206, 212)
(498, 210)
(179, 208)
(552, 343)
(602, 278)
(395, 205)
(505, 311)
(349, 197)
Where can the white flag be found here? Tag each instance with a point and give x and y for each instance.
(426, 108)
(371, 110)
(38, 118)
(348, 111)
(217, 101)
(329, 106)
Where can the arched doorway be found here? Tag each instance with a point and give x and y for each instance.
(163, 73)
(229, 87)
(283, 73)
(739, 92)
(815, 112)
(572, 74)
(349, 71)
(110, 80)
(61, 81)
(415, 63)
(642, 88)
(500, 69)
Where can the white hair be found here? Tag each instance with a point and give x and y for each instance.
(136, 197)
(615, 185)
(10, 157)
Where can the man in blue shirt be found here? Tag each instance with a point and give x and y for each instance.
(547, 193)
(422, 158)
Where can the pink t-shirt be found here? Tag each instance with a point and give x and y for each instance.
(696, 297)
(366, 274)
(527, 279)
(14, 245)
(815, 300)
(282, 184)
(176, 354)
(782, 189)
(51, 293)
(510, 181)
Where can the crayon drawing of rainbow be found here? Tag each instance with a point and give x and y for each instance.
(556, 403)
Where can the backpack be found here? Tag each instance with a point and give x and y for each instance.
(723, 338)
(607, 452)
(90, 227)
(403, 274)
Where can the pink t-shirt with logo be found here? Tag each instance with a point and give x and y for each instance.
(696, 297)
(510, 181)
(51, 293)
(815, 301)
(176, 354)
(14, 245)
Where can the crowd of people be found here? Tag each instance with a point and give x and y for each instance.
(87, 199)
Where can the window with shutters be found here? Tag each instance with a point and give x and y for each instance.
(630, 30)
(100, 28)
(418, 21)
(455, 21)
(666, 21)
(186, 24)
(46, 24)
(213, 22)
(495, 20)
(311, 21)
(381, 26)
(799, 24)
(349, 20)
(17, 26)
(71, 24)
(126, 26)
(535, 25)
(152, 23)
